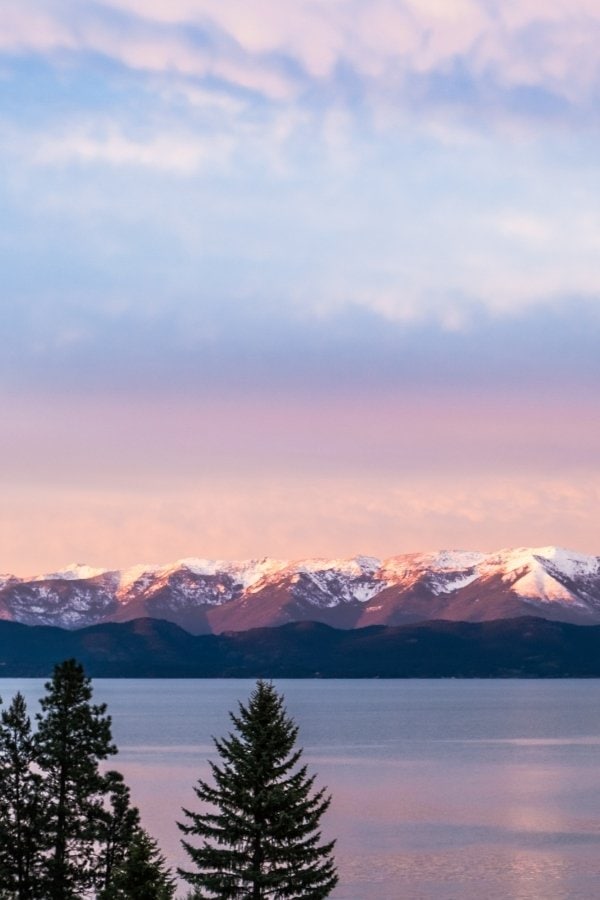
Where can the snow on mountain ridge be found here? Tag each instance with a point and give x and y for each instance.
(537, 573)
(569, 563)
(72, 572)
(203, 593)
(532, 573)
(244, 573)
(454, 560)
(139, 576)
(446, 571)
(354, 567)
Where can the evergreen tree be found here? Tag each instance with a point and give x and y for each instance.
(261, 837)
(141, 874)
(21, 809)
(117, 826)
(73, 737)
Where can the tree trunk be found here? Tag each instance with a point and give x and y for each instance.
(257, 863)
(58, 878)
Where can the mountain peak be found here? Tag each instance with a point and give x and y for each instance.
(205, 595)
(71, 572)
(568, 562)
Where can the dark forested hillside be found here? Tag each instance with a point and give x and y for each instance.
(523, 647)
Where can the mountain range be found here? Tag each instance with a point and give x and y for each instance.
(151, 648)
(214, 596)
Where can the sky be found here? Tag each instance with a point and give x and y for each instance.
(297, 278)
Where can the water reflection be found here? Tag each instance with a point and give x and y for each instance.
(442, 790)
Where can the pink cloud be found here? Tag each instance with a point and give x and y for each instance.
(552, 46)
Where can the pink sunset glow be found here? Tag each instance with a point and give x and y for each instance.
(255, 476)
(296, 278)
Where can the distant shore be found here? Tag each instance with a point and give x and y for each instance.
(524, 647)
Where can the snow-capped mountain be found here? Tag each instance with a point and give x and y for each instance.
(214, 595)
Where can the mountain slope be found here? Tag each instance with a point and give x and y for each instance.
(152, 648)
(204, 596)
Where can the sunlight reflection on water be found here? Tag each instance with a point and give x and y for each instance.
(442, 790)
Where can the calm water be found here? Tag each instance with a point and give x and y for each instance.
(443, 790)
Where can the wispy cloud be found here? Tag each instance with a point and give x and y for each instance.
(486, 59)
(349, 144)
(264, 204)
(185, 154)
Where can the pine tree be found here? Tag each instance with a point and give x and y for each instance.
(73, 737)
(117, 825)
(261, 837)
(21, 808)
(141, 874)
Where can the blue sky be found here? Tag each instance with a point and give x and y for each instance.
(287, 211)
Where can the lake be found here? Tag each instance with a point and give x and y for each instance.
(442, 789)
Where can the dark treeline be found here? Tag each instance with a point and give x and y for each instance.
(151, 648)
(68, 829)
